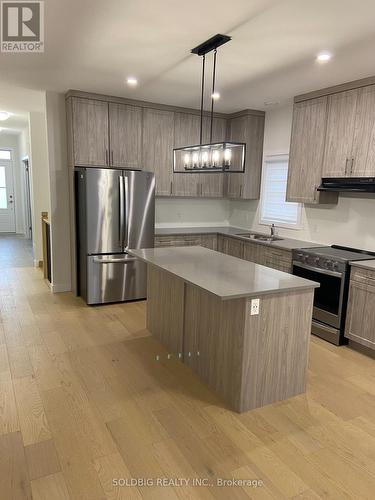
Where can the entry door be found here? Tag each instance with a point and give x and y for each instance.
(7, 216)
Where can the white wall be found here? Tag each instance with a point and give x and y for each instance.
(39, 178)
(350, 222)
(191, 212)
(12, 140)
(59, 186)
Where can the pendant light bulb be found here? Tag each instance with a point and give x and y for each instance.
(195, 160)
(215, 157)
(205, 158)
(227, 156)
(187, 160)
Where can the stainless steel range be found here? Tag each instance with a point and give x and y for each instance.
(330, 267)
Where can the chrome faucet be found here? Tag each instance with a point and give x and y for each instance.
(273, 230)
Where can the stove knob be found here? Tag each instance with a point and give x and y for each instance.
(335, 266)
(317, 260)
(329, 263)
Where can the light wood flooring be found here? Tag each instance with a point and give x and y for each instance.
(83, 401)
(15, 251)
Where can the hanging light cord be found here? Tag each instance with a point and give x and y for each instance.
(203, 70)
(212, 95)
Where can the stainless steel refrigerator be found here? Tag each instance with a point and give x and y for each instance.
(115, 210)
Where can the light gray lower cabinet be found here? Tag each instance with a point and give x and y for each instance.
(277, 259)
(360, 320)
(209, 241)
(230, 246)
(264, 255)
(253, 252)
(204, 240)
(256, 252)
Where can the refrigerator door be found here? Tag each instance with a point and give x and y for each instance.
(104, 220)
(115, 278)
(139, 201)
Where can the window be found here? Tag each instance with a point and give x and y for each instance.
(5, 154)
(274, 208)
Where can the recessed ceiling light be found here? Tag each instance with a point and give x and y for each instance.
(270, 102)
(132, 81)
(323, 56)
(4, 115)
(215, 96)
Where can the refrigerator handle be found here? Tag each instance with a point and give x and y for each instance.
(126, 211)
(121, 210)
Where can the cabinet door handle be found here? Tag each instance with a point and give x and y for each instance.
(201, 189)
(241, 191)
(352, 166)
(346, 166)
(171, 188)
(106, 156)
(112, 157)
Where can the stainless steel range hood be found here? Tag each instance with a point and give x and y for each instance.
(348, 184)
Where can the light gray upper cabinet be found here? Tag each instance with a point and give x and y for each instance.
(186, 133)
(157, 149)
(212, 185)
(90, 141)
(363, 152)
(249, 129)
(125, 136)
(350, 140)
(306, 152)
(117, 133)
(340, 133)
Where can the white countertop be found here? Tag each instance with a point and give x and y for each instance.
(222, 275)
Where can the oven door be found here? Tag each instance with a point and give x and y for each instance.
(328, 298)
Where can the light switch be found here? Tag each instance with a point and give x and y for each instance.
(254, 309)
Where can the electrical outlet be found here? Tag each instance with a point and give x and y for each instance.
(254, 309)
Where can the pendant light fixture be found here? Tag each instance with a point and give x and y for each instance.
(213, 157)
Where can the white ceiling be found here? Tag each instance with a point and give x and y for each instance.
(94, 44)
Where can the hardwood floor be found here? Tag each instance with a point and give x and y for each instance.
(83, 402)
(15, 251)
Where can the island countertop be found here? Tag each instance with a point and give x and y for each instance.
(222, 275)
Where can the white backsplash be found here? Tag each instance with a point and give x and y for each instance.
(187, 212)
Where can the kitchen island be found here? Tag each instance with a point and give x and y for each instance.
(242, 327)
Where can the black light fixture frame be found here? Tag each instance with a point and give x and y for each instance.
(201, 50)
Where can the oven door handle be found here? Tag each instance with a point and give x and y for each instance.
(318, 270)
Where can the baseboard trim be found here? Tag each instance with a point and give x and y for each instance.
(61, 287)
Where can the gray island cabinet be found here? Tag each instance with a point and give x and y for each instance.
(243, 328)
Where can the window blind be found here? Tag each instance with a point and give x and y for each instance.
(274, 208)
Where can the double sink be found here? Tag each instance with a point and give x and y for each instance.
(259, 237)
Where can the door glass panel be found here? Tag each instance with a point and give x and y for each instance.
(5, 154)
(2, 177)
(3, 191)
(3, 198)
